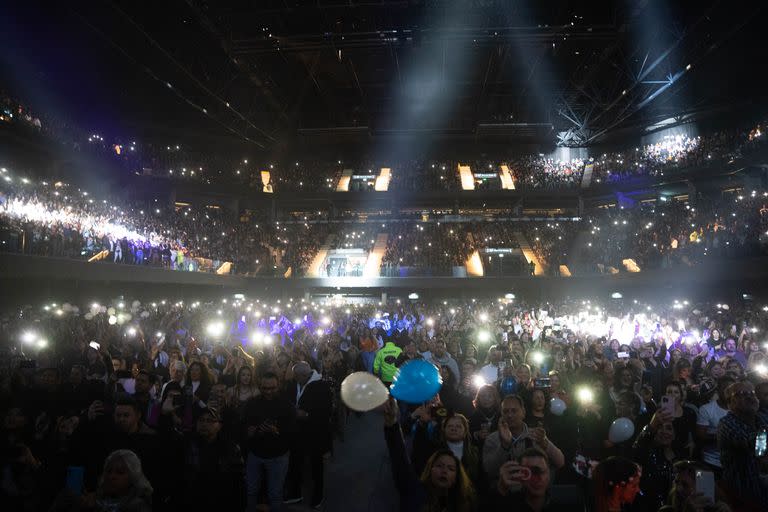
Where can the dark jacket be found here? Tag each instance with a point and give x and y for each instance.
(278, 412)
(317, 401)
(213, 475)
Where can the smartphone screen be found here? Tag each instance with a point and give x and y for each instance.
(705, 483)
(74, 481)
(544, 382)
(622, 355)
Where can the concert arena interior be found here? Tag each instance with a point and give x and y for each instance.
(382, 255)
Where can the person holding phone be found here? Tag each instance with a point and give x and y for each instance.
(736, 436)
(513, 437)
(653, 450)
(531, 475)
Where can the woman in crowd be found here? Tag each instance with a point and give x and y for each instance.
(654, 452)
(244, 389)
(684, 419)
(443, 485)
(123, 486)
(538, 414)
(454, 436)
(622, 381)
(485, 417)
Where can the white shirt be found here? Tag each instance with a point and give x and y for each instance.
(457, 449)
(709, 416)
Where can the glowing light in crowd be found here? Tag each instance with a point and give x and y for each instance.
(483, 317)
(326, 320)
(215, 329)
(478, 381)
(131, 332)
(537, 357)
(585, 395)
(28, 337)
(257, 337)
(430, 322)
(484, 336)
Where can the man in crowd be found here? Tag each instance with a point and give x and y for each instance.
(709, 417)
(439, 356)
(524, 485)
(313, 401)
(269, 421)
(730, 351)
(513, 438)
(736, 436)
(385, 363)
(213, 468)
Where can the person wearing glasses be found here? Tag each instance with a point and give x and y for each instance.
(736, 436)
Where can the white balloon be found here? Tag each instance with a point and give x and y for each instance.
(111, 311)
(621, 430)
(557, 406)
(362, 391)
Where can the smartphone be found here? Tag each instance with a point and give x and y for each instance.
(705, 483)
(94, 345)
(668, 404)
(74, 483)
(623, 355)
(761, 443)
(541, 383)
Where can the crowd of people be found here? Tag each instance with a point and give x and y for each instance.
(61, 221)
(535, 171)
(672, 232)
(674, 152)
(171, 405)
(430, 247)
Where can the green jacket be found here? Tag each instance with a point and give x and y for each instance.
(384, 364)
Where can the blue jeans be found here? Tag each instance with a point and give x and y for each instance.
(276, 469)
(368, 358)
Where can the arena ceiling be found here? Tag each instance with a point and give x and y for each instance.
(261, 71)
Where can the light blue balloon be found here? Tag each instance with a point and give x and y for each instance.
(416, 382)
